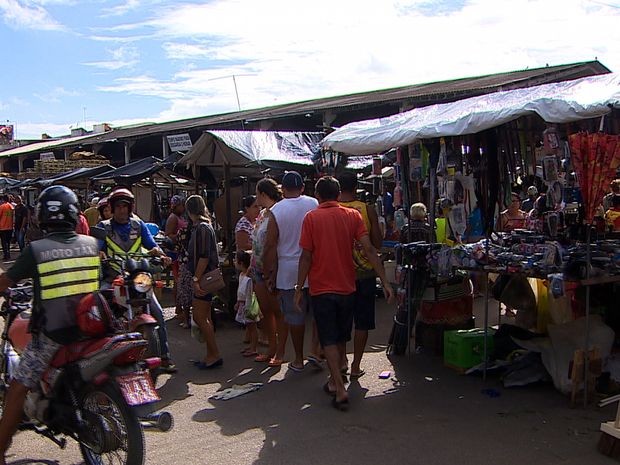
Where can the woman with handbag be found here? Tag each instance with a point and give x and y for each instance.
(204, 263)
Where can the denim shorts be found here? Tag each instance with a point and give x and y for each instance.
(293, 315)
(333, 314)
(35, 359)
(364, 311)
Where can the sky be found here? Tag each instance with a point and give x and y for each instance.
(75, 63)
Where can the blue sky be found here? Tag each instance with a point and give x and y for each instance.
(75, 63)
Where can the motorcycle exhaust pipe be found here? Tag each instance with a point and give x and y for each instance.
(162, 422)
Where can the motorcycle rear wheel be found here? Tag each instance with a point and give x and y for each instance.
(125, 428)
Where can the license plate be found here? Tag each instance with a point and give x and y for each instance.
(137, 388)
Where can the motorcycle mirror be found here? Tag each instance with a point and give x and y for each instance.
(98, 233)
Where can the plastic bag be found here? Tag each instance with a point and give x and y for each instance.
(252, 312)
(196, 333)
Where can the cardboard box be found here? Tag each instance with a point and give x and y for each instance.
(465, 348)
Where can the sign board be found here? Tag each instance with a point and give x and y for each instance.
(47, 156)
(179, 142)
(6, 134)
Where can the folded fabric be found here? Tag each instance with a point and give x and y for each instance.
(236, 390)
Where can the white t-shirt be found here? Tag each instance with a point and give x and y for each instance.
(244, 290)
(289, 215)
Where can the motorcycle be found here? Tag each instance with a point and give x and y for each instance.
(92, 391)
(130, 297)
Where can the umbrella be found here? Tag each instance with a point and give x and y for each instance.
(595, 159)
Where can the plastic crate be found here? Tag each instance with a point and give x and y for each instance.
(465, 348)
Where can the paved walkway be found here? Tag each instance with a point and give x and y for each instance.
(424, 414)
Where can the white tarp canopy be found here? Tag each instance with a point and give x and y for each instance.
(249, 149)
(560, 102)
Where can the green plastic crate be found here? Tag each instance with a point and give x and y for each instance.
(464, 348)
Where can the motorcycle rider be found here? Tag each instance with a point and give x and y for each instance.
(126, 233)
(64, 267)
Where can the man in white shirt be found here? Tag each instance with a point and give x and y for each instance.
(282, 250)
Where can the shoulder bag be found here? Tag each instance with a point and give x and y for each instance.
(211, 281)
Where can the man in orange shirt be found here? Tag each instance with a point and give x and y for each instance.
(327, 239)
(6, 225)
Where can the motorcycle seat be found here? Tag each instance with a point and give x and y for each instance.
(78, 350)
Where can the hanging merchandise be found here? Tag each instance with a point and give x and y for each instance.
(399, 218)
(550, 169)
(458, 220)
(468, 185)
(595, 158)
(376, 186)
(376, 165)
(398, 190)
(426, 160)
(416, 171)
(442, 164)
(551, 140)
(553, 222)
(379, 204)
(398, 196)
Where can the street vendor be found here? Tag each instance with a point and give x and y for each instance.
(418, 228)
(612, 215)
(513, 217)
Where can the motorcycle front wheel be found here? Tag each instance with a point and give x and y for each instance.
(119, 436)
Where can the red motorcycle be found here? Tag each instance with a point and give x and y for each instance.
(93, 391)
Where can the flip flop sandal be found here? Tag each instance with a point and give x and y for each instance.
(341, 405)
(313, 359)
(327, 390)
(208, 366)
(296, 368)
(358, 374)
(247, 353)
(275, 362)
(262, 358)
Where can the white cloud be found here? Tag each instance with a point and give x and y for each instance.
(180, 51)
(123, 8)
(55, 95)
(26, 15)
(121, 57)
(283, 51)
(32, 130)
(302, 50)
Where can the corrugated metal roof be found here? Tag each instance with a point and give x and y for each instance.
(45, 145)
(421, 93)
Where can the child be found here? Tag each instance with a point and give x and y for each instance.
(246, 305)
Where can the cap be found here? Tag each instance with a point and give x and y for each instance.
(532, 190)
(292, 180)
(94, 201)
(176, 200)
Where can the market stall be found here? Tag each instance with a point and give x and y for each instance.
(150, 180)
(246, 156)
(476, 154)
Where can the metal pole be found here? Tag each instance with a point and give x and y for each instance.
(586, 355)
(236, 92)
(486, 318)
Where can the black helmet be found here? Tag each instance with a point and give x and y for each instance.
(57, 206)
